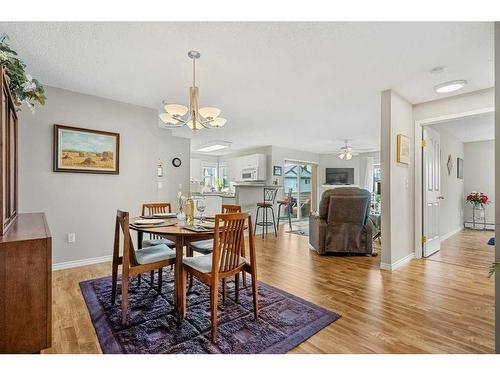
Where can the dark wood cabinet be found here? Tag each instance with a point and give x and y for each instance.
(26, 285)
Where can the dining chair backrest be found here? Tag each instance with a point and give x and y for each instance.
(270, 195)
(231, 208)
(150, 209)
(229, 241)
(155, 208)
(122, 225)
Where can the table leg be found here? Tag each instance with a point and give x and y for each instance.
(180, 281)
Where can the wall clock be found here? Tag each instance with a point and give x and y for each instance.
(176, 162)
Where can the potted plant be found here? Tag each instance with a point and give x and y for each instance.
(23, 87)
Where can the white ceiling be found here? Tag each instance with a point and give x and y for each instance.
(301, 85)
(470, 128)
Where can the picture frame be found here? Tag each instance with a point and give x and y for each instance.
(460, 168)
(403, 149)
(277, 170)
(81, 150)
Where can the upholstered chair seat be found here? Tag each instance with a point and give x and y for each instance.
(203, 247)
(157, 241)
(154, 254)
(203, 263)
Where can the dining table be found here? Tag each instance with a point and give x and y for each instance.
(178, 233)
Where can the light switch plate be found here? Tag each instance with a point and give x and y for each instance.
(71, 237)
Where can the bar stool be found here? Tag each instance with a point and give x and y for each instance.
(288, 203)
(267, 204)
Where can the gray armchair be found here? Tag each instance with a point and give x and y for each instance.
(342, 223)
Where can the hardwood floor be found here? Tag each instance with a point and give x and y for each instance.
(443, 304)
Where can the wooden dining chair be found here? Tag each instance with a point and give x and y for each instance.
(150, 209)
(226, 260)
(206, 246)
(135, 262)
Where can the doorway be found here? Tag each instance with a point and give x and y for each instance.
(300, 182)
(454, 157)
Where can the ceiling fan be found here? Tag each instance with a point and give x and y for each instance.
(345, 152)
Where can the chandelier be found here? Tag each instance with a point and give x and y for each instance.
(178, 115)
(345, 152)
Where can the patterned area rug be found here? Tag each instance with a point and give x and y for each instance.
(284, 319)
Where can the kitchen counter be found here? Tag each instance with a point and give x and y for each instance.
(214, 194)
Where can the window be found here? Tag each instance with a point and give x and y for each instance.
(209, 175)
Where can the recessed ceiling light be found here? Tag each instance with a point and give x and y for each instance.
(450, 86)
(213, 146)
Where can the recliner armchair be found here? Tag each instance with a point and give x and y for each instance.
(342, 223)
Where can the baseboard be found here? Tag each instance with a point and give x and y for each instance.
(449, 234)
(397, 264)
(81, 262)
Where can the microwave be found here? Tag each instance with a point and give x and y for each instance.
(249, 174)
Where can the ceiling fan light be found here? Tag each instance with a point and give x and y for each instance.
(209, 112)
(167, 119)
(348, 156)
(342, 156)
(176, 109)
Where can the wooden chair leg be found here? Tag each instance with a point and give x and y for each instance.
(214, 294)
(152, 273)
(223, 290)
(160, 279)
(237, 287)
(290, 216)
(255, 293)
(265, 222)
(124, 299)
(114, 282)
(139, 279)
(190, 282)
(244, 277)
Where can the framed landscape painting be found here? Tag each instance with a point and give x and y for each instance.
(86, 150)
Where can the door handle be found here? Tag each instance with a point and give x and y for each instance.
(440, 197)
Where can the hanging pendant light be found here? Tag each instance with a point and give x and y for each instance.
(345, 152)
(194, 117)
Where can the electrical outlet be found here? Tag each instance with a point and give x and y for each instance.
(71, 237)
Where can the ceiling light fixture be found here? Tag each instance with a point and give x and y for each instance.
(178, 115)
(450, 86)
(345, 152)
(213, 146)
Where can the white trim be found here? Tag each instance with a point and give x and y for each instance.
(397, 264)
(418, 167)
(81, 262)
(449, 234)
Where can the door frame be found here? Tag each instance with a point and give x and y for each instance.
(419, 124)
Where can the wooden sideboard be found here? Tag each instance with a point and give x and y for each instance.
(26, 285)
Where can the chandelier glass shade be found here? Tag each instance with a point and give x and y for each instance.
(194, 117)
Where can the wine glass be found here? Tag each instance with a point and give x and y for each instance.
(201, 205)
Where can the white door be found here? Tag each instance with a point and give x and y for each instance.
(431, 154)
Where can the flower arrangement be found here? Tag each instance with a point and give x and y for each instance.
(23, 87)
(477, 199)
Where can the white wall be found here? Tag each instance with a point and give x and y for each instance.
(456, 104)
(86, 203)
(479, 174)
(397, 182)
(451, 210)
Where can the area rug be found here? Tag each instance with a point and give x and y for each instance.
(300, 232)
(284, 320)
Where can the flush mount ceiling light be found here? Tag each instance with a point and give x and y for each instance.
(345, 152)
(450, 86)
(213, 146)
(178, 115)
